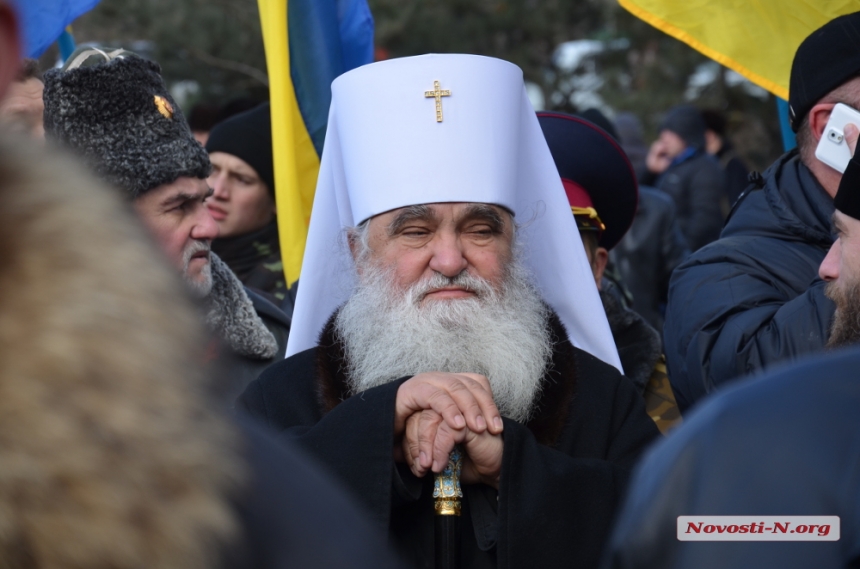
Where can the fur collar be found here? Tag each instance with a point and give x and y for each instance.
(639, 345)
(557, 390)
(231, 315)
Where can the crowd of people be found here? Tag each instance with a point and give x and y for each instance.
(612, 334)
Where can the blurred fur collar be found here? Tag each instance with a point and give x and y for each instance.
(112, 457)
(231, 315)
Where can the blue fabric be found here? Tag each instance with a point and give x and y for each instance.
(752, 298)
(688, 153)
(327, 38)
(42, 21)
(785, 444)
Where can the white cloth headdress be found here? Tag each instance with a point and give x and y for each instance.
(385, 149)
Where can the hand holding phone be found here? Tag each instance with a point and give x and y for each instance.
(833, 149)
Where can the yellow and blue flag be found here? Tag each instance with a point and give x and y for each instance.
(308, 44)
(43, 21)
(756, 38)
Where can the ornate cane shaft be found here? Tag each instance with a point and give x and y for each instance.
(447, 496)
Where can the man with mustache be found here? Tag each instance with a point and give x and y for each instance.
(114, 109)
(841, 267)
(446, 299)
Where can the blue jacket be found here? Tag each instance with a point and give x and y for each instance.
(753, 297)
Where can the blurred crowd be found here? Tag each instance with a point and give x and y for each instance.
(657, 339)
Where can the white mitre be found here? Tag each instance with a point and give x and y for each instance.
(391, 143)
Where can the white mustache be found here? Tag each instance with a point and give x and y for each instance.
(481, 287)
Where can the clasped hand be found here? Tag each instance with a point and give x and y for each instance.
(435, 411)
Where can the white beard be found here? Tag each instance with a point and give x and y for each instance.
(502, 334)
(202, 286)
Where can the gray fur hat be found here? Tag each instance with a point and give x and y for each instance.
(114, 109)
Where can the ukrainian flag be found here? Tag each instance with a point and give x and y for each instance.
(756, 38)
(308, 44)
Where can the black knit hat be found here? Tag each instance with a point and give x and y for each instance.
(826, 59)
(686, 121)
(115, 110)
(247, 136)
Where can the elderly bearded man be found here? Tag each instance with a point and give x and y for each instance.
(463, 310)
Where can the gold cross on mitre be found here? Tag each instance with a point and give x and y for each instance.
(437, 94)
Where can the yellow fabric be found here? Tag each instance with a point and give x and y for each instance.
(295, 159)
(756, 38)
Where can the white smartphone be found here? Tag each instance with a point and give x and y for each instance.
(832, 148)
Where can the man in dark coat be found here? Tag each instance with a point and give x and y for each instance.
(115, 111)
(654, 245)
(718, 145)
(773, 447)
(443, 338)
(680, 167)
(754, 298)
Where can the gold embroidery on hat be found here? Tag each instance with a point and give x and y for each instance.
(164, 107)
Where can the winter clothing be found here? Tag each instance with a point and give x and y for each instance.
(251, 332)
(114, 455)
(247, 136)
(753, 298)
(120, 116)
(256, 259)
(116, 110)
(696, 184)
(784, 445)
(736, 174)
(649, 252)
(632, 141)
(826, 59)
(686, 121)
(563, 470)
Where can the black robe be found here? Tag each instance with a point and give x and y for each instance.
(563, 474)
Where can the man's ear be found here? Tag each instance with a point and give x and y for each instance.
(818, 117)
(598, 264)
(10, 46)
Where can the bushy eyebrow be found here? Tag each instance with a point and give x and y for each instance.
(484, 212)
(419, 212)
(185, 197)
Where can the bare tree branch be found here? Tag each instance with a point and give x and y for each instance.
(229, 65)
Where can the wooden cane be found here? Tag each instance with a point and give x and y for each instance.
(447, 496)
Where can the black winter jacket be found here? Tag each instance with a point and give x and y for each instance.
(649, 252)
(753, 297)
(698, 187)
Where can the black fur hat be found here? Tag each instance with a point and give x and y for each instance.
(114, 109)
